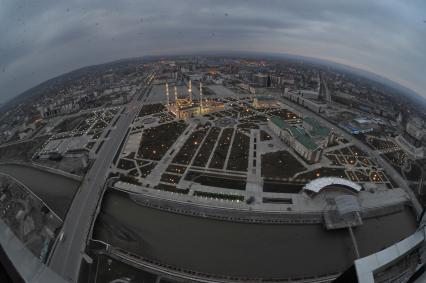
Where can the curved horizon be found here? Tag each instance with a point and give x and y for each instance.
(324, 62)
(44, 39)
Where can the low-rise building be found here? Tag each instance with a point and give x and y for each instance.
(306, 99)
(64, 146)
(265, 102)
(318, 131)
(25, 133)
(296, 138)
(359, 126)
(56, 109)
(247, 87)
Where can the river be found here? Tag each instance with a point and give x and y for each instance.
(241, 249)
(55, 190)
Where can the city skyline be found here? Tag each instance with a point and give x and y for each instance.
(145, 159)
(38, 43)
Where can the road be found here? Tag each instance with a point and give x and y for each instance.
(422, 179)
(65, 258)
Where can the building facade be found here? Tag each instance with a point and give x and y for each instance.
(296, 138)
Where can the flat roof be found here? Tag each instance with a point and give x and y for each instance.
(307, 141)
(280, 122)
(299, 134)
(265, 98)
(318, 184)
(318, 129)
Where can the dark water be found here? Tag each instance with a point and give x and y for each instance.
(241, 249)
(55, 190)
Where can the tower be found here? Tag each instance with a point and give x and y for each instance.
(190, 90)
(201, 96)
(167, 95)
(176, 96)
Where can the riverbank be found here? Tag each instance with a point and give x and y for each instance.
(57, 191)
(242, 250)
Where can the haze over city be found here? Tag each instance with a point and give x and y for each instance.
(43, 39)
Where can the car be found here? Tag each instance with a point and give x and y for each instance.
(61, 237)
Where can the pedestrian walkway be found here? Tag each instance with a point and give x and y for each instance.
(254, 175)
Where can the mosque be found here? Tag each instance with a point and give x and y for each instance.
(186, 107)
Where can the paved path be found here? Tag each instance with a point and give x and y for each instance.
(225, 165)
(214, 148)
(254, 179)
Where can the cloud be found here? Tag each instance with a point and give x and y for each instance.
(42, 39)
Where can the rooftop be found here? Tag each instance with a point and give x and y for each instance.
(299, 134)
(268, 98)
(280, 122)
(317, 128)
(306, 140)
(318, 184)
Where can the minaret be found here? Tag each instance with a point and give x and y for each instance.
(175, 91)
(167, 95)
(190, 90)
(201, 95)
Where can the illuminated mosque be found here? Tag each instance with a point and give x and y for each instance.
(186, 107)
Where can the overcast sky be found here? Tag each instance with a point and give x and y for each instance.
(42, 39)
